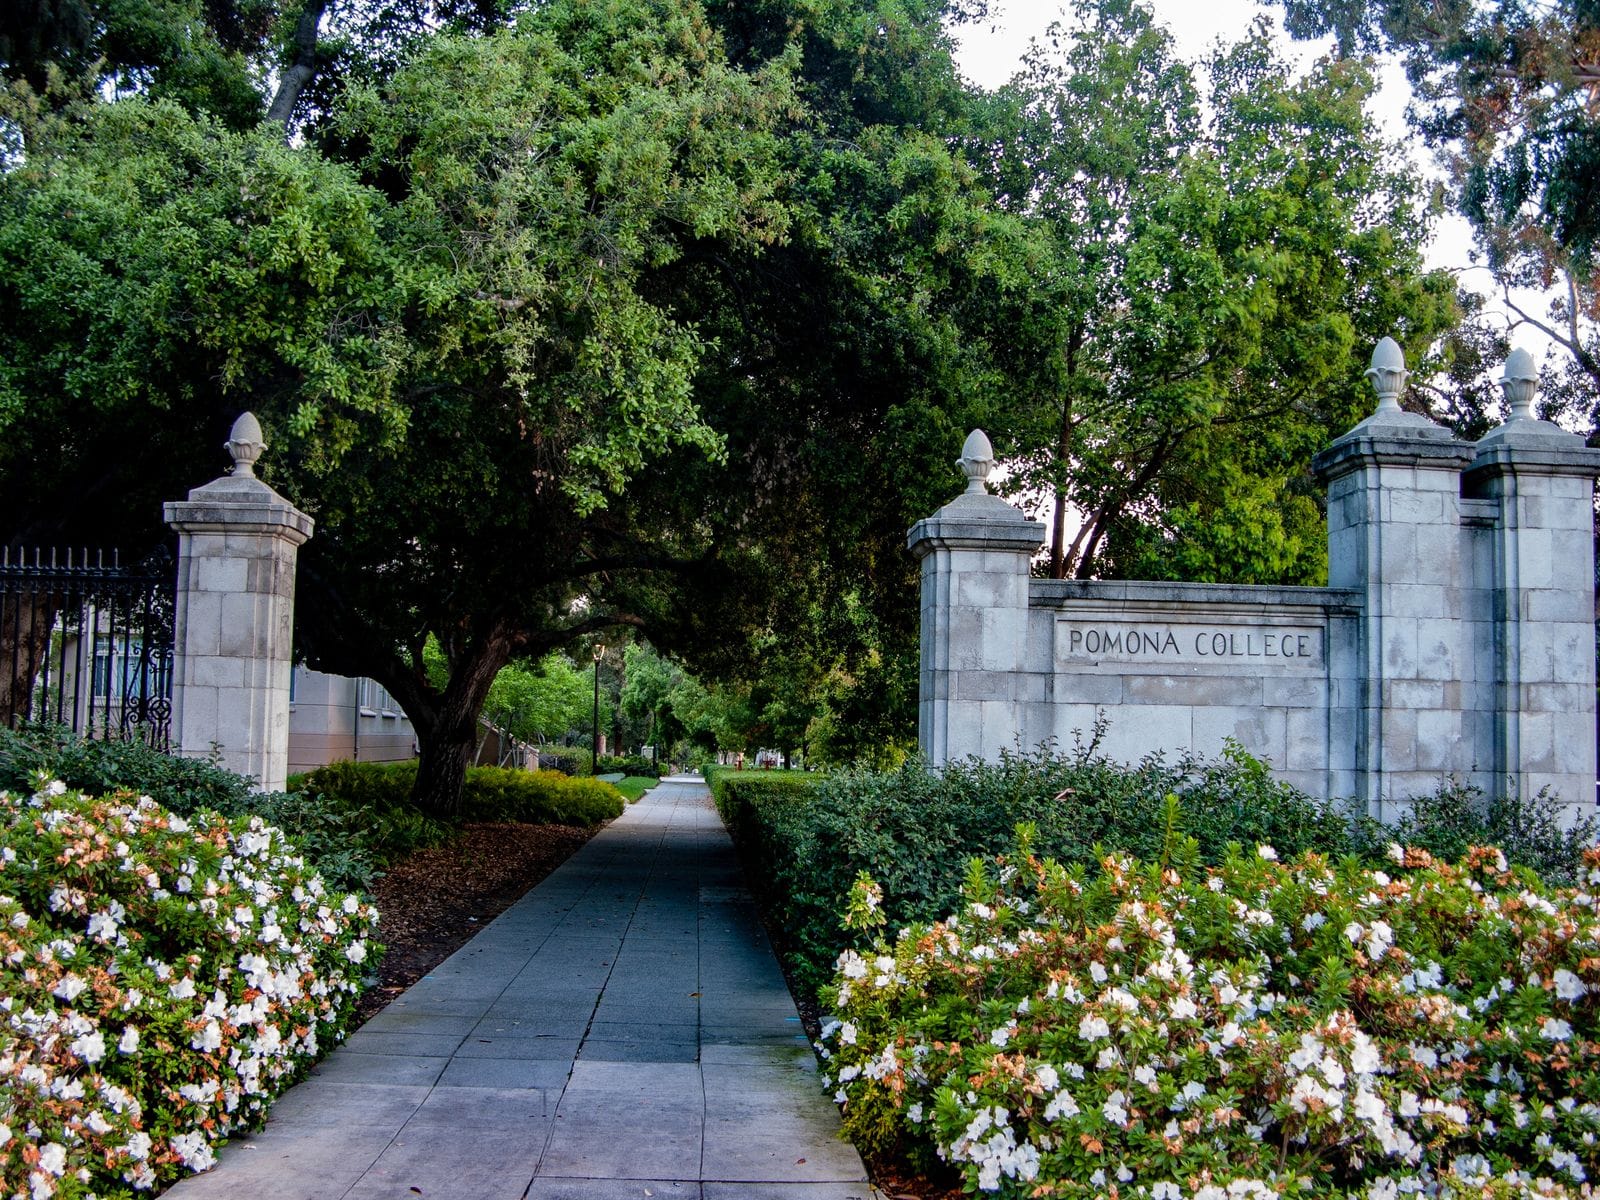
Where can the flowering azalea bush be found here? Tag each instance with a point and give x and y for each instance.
(1256, 1029)
(161, 979)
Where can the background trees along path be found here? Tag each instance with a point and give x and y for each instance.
(1207, 275)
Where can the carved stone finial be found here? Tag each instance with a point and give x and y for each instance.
(976, 462)
(245, 442)
(1518, 384)
(1387, 374)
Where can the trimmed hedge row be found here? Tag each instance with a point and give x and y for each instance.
(490, 793)
(628, 764)
(806, 838)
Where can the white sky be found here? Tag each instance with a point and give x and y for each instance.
(990, 54)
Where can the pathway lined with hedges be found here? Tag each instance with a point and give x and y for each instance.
(621, 1031)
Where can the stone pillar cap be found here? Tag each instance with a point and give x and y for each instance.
(1525, 443)
(975, 519)
(1391, 435)
(239, 502)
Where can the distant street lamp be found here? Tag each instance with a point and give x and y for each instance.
(599, 651)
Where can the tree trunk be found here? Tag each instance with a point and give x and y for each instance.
(448, 734)
(1058, 532)
(441, 776)
(302, 68)
(25, 624)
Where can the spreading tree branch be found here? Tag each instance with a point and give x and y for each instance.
(302, 68)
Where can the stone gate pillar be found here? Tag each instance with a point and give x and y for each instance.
(1394, 536)
(1541, 597)
(238, 543)
(975, 554)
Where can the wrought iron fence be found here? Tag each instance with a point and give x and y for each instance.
(87, 643)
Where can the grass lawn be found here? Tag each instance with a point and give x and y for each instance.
(635, 786)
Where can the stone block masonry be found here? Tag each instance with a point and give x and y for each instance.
(237, 551)
(1455, 637)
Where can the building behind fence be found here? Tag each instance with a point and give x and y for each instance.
(86, 642)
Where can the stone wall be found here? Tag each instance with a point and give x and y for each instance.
(1190, 665)
(1456, 636)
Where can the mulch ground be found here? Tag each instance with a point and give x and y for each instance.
(431, 905)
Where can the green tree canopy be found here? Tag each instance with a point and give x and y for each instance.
(1209, 276)
(1508, 94)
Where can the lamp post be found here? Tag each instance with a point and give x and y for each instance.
(599, 651)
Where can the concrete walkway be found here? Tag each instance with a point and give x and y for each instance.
(621, 1031)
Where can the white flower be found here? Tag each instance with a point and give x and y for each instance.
(1061, 1105)
(70, 988)
(1047, 1077)
(193, 1149)
(138, 1147)
(53, 1157)
(847, 1034)
(1568, 986)
(208, 1039)
(130, 1040)
(5, 1133)
(183, 989)
(1092, 1028)
(90, 1047)
(103, 926)
(1113, 1109)
(1556, 1030)
(1267, 852)
(356, 951)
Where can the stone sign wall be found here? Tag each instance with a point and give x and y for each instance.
(1456, 637)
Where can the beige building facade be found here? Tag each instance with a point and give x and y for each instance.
(333, 718)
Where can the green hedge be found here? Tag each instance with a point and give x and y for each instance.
(490, 793)
(628, 764)
(538, 797)
(569, 760)
(806, 838)
(913, 830)
(347, 843)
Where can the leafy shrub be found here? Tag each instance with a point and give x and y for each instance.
(806, 839)
(1307, 1030)
(371, 785)
(1455, 816)
(489, 794)
(629, 764)
(538, 797)
(183, 785)
(569, 760)
(164, 978)
(346, 844)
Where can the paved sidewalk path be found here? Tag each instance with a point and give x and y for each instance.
(623, 1030)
